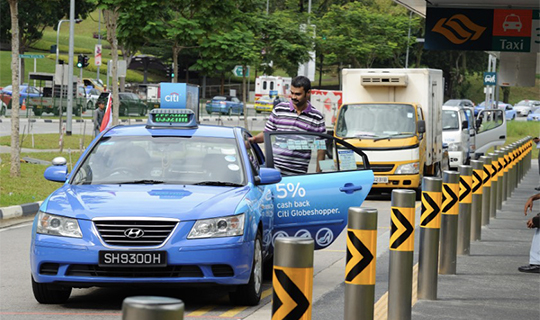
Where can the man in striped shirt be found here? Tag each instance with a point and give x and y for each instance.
(295, 115)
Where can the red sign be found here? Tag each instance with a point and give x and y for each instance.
(512, 23)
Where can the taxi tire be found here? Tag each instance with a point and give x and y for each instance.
(45, 293)
(250, 293)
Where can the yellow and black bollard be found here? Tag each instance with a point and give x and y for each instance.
(500, 166)
(505, 172)
(430, 225)
(293, 278)
(361, 261)
(494, 186)
(449, 222)
(401, 255)
(465, 203)
(152, 308)
(477, 199)
(486, 194)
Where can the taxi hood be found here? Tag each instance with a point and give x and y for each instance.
(164, 201)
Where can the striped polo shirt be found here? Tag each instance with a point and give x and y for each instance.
(285, 118)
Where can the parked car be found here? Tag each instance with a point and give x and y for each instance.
(95, 83)
(26, 91)
(129, 103)
(92, 96)
(459, 103)
(179, 203)
(524, 107)
(225, 105)
(266, 103)
(534, 115)
(510, 113)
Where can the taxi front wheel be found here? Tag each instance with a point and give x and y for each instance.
(250, 293)
(47, 293)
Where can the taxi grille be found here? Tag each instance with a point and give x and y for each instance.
(134, 233)
(87, 270)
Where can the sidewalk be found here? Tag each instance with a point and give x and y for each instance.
(487, 284)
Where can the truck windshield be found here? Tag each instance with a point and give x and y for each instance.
(450, 120)
(376, 120)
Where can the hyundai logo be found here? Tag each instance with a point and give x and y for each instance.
(134, 233)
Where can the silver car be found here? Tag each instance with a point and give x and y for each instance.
(524, 107)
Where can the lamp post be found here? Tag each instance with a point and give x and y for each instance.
(58, 36)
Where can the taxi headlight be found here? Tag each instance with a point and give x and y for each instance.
(218, 227)
(58, 226)
(408, 168)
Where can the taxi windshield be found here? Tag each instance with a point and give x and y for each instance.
(162, 160)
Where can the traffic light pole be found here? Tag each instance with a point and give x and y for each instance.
(70, 67)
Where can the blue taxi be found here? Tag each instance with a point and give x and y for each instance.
(174, 202)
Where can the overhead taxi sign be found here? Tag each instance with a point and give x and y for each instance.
(482, 29)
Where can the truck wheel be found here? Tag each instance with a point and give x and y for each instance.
(46, 293)
(250, 293)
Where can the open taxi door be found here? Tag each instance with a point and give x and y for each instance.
(321, 179)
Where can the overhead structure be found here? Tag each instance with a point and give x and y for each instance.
(507, 29)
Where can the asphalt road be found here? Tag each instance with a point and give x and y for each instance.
(17, 301)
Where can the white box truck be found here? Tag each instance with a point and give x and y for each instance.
(395, 117)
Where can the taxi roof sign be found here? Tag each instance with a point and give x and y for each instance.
(167, 118)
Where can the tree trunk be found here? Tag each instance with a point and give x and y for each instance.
(244, 97)
(111, 18)
(15, 170)
(175, 51)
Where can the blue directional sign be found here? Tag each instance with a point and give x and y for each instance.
(490, 78)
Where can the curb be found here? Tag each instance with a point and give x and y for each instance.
(26, 209)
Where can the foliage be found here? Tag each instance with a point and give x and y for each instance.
(42, 14)
(358, 35)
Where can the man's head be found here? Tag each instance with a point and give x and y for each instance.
(300, 91)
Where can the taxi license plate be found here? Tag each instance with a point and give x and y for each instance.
(132, 259)
(380, 179)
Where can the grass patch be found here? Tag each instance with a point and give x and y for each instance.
(31, 186)
(48, 141)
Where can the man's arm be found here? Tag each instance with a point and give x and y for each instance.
(259, 138)
(529, 203)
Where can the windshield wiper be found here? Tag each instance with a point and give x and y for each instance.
(217, 183)
(391, 135)
(143, 182)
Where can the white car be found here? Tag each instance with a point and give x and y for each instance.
(525, 107)
(91, 98)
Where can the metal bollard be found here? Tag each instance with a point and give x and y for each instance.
(494, 186)
(401, 255)
(152, 308)
(465, 203)
(361, 262)
(486, 199)
(477, 199)
(430, 225)
(505, 173)
(449, 222)
(500, 165)
(293, 278)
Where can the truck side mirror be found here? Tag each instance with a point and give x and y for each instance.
(465, 124)
(421, 126)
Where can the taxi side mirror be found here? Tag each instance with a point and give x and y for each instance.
(268, 176)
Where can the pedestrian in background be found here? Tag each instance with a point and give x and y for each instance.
(534, 222)
(98, 117)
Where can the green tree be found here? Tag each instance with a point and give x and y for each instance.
(41, 14)
(359, 34)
